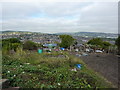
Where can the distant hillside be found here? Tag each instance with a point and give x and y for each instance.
(6, 31)
(82, 34)
(91, 34)
(23, 32)
(11, 31)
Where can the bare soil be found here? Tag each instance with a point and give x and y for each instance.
(104, 64)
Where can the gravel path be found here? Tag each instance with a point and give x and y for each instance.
(105, 64)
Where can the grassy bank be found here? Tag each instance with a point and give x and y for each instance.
(27, 69)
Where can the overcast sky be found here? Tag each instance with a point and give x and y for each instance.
(54, 17)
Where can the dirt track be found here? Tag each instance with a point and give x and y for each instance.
(104, 64)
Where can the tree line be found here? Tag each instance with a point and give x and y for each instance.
(66, 42)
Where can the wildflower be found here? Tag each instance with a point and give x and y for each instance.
(74, 69)
(38, 65)
(14, 75)
(20, 65)
(23, 72)
(59, 84)
(8, 71)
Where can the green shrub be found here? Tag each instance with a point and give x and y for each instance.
(37, 71)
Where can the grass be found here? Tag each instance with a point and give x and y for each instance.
(27, 69)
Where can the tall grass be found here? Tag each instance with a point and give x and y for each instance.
(50, 69)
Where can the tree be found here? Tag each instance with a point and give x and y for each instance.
(106, 45)
(75, 43)
(29, 45)
(99, 43)
(117, 42)
(10, 40)
(95, 41)
(67, 41)
(10, 44)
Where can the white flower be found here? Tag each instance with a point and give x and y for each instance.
(20, 65)
(74, 69)
(23, 72)
(14, 75)
(59, 84)
(8, 71)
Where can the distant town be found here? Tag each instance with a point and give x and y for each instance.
(43, 38)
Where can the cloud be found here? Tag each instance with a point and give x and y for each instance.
(59, 0)
(101, 16)
(60, 17)
(23, 10)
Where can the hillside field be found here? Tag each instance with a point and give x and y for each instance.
(28, 69)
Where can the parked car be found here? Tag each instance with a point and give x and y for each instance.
(98, 51)
(84, 54)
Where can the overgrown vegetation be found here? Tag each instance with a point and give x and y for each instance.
(27, 69)
(10, 44)
(29, 45)
(118, 44)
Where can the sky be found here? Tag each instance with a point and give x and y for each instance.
(53, 16)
